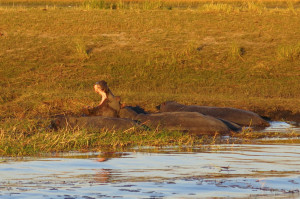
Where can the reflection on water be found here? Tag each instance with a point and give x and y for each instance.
(223, 171)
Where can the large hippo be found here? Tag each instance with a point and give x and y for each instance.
(179, 121)
(238, 116)
(94, 122)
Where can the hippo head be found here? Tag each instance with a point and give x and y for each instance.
(102, 89)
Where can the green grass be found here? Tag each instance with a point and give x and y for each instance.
(237, 54)
(32, 137)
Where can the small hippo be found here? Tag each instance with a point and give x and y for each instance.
(238, 116)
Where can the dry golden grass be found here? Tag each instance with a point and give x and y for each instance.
(50, 59)
(173, 1)
(243, 55)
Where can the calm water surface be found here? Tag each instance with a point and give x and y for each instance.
(235, 171)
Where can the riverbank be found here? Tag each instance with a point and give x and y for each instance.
(229, 54)
(243, 58)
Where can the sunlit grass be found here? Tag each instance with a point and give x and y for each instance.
(32, 137)
(289, 52)
(81, 49)
(242, 54)
(51, 59)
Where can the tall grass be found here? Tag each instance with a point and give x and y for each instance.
(121, 4)
(81, 49)
(255, 6)
(291, 7)
(289, 52)
(219, 7)
(236, 51)
(32, 137)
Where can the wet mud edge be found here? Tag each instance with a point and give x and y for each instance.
(279, 115)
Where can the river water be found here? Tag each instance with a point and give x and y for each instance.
(235, 171)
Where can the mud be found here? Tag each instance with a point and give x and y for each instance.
(280, 115)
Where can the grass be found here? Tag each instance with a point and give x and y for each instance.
(289, 52)
(230, 53)
(31, 137)
(50, 59)
(81, 49)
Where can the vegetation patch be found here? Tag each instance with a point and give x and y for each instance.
(289, 52)
(234, 54)
(33, 137)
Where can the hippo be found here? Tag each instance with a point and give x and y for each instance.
(102, 89)
(93, 122)
(109, 105)
(191, 122)
(237, 116)
(101, 110)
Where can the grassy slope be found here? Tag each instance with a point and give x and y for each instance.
(213, 55)
(50, 59)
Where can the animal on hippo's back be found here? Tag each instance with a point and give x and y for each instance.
(93, 122)
(238, 116)
(179, 121)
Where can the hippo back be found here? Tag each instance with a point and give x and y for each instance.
(238, 116)
(184, 121)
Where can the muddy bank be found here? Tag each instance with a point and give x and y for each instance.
(279, 115)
